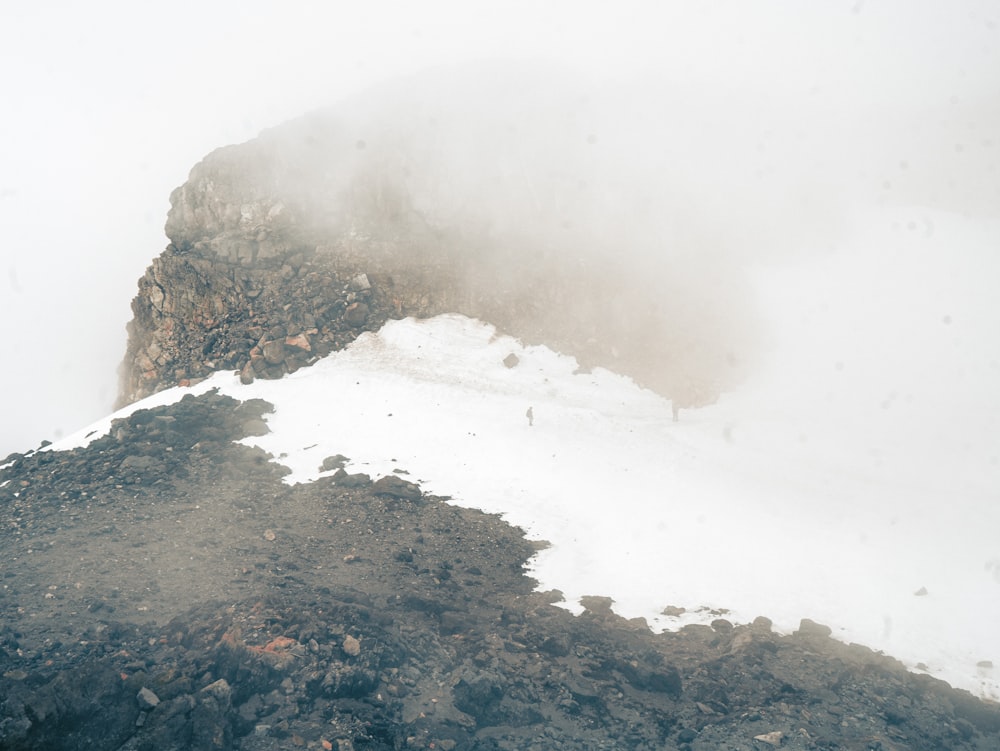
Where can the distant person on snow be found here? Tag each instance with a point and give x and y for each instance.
(530, 414)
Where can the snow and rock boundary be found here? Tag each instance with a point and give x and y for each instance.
(197, 600)
(699, 524)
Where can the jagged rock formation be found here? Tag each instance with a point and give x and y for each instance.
(287, 247)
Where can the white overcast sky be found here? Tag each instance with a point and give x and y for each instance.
(105, 106)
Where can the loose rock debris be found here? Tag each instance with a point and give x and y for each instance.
(174, 622)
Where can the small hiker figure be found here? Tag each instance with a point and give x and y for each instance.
(530, 414)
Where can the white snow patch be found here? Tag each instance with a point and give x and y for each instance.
(859, 469)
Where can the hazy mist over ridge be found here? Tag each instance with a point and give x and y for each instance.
(652, 169)
(674, 193)
(768, 119)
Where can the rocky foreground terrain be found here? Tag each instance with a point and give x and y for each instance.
(164, 589)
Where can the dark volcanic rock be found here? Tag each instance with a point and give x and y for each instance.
(369, 623)
(345, 480)
(809, 627)
(397, 487)
(356, 314)
(274, 351)
(337, 461)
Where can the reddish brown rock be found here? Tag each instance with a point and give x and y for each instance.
(299, 341)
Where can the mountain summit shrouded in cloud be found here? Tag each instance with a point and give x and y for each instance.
(872, 102)
(615, 220)
(521, 195)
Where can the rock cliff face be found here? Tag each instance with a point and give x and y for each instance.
(289, 246)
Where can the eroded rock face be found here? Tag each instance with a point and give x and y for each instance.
(195, 315)
(400, 205)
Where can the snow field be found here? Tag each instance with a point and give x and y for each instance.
(859, 468)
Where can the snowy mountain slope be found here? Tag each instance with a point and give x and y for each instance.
(803, 496)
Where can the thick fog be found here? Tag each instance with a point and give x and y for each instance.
(700, 141)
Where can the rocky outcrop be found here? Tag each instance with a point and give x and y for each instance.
(194, 315)
(287, 247)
